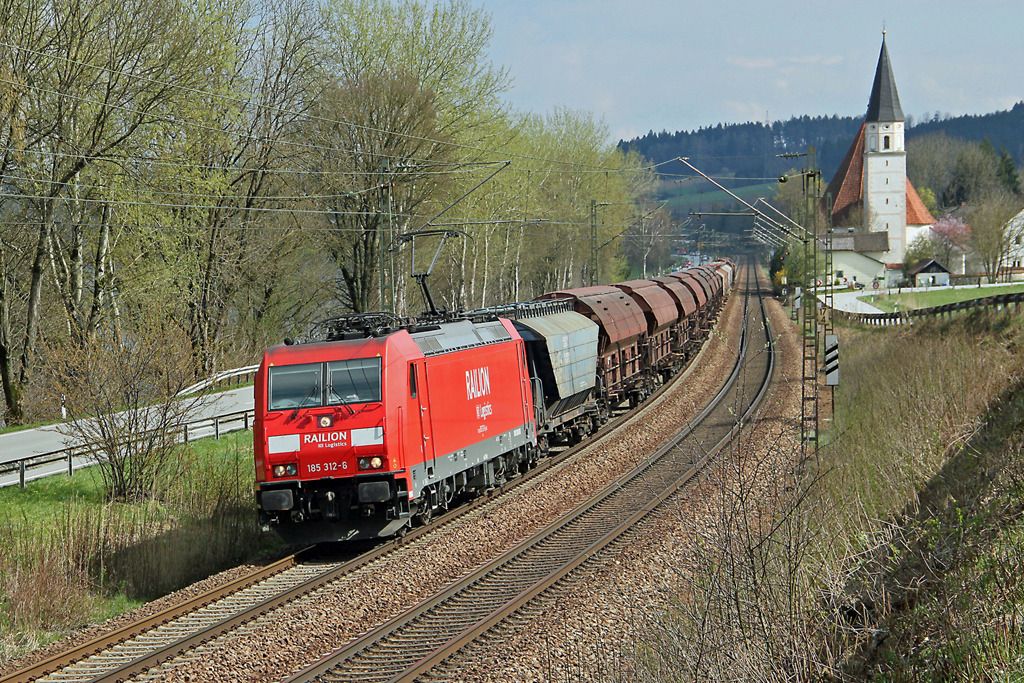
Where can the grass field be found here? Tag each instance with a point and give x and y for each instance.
(688, 196)
(70, 557)
(940, 296)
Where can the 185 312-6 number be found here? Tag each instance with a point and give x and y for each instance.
(315, 467)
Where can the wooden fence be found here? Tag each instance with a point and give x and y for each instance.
(999, 302)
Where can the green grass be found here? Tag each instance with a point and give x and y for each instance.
(42, 500)
(68, 557)
(32, 425)
(688, 197)
(940, 296)
(927, 474)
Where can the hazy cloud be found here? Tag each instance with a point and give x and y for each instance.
(756, 63)
(769, 63)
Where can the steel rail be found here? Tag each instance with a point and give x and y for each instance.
(368, 657)
(178, 646)
(442, 655)
(129, 631)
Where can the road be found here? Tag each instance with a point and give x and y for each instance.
(28, 442)
(846, 300)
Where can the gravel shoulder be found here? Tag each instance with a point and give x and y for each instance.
(622, 597)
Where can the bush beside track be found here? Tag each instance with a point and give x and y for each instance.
(69, 559)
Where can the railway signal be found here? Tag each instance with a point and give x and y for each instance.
(831, 360)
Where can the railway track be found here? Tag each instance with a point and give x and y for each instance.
(141, 646)
(425, 643)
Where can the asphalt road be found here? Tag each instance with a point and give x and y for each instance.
(29, 442)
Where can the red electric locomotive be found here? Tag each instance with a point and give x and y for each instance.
(357, 436)
(385, 421)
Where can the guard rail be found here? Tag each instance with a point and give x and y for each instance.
(84, 455)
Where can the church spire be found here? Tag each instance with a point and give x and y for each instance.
(884, 104)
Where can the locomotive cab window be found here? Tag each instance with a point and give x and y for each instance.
(412, 380)
(295, 386)
(356, 380)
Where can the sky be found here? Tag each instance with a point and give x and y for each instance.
(661, 65)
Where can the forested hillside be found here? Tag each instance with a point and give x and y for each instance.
(748, 150)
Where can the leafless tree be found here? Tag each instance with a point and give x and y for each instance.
(993, 235)
(121, 396)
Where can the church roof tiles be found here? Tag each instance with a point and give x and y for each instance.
(847, 188)
(917, 212)
(847, 183)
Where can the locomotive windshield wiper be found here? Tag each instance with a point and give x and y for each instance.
(312, 392)
(330, 393)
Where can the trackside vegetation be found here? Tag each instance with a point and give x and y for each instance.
(939, 296)
(252, 164)
(897, 555)
(69, 557)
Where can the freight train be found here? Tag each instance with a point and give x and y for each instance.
(384, 422)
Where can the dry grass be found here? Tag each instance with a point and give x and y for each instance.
(81, 560)
(898, 555)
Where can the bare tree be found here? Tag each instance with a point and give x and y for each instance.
(121, 396)
(95, 80)
(379, 155)
(993, 235)
(647, 241)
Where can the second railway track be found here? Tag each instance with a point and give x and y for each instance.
(432, 634)
(140, 651)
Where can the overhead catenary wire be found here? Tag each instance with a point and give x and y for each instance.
(302, 197)
(595, 167)
(123, 159)
(418, 166)
(328, 228)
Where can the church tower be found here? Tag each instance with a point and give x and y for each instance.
(872, 181)
(885, 161)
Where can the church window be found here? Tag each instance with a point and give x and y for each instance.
(885, 142)
(873, 144)
(886, 200)
(886, 181)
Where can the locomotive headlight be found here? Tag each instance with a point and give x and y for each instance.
(289, 470)
(374, 463)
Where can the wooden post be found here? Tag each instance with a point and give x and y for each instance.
(21, 474)
(186, 433)
(71, 466)
(216, 427)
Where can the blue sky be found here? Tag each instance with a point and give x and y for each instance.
(661, 65)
